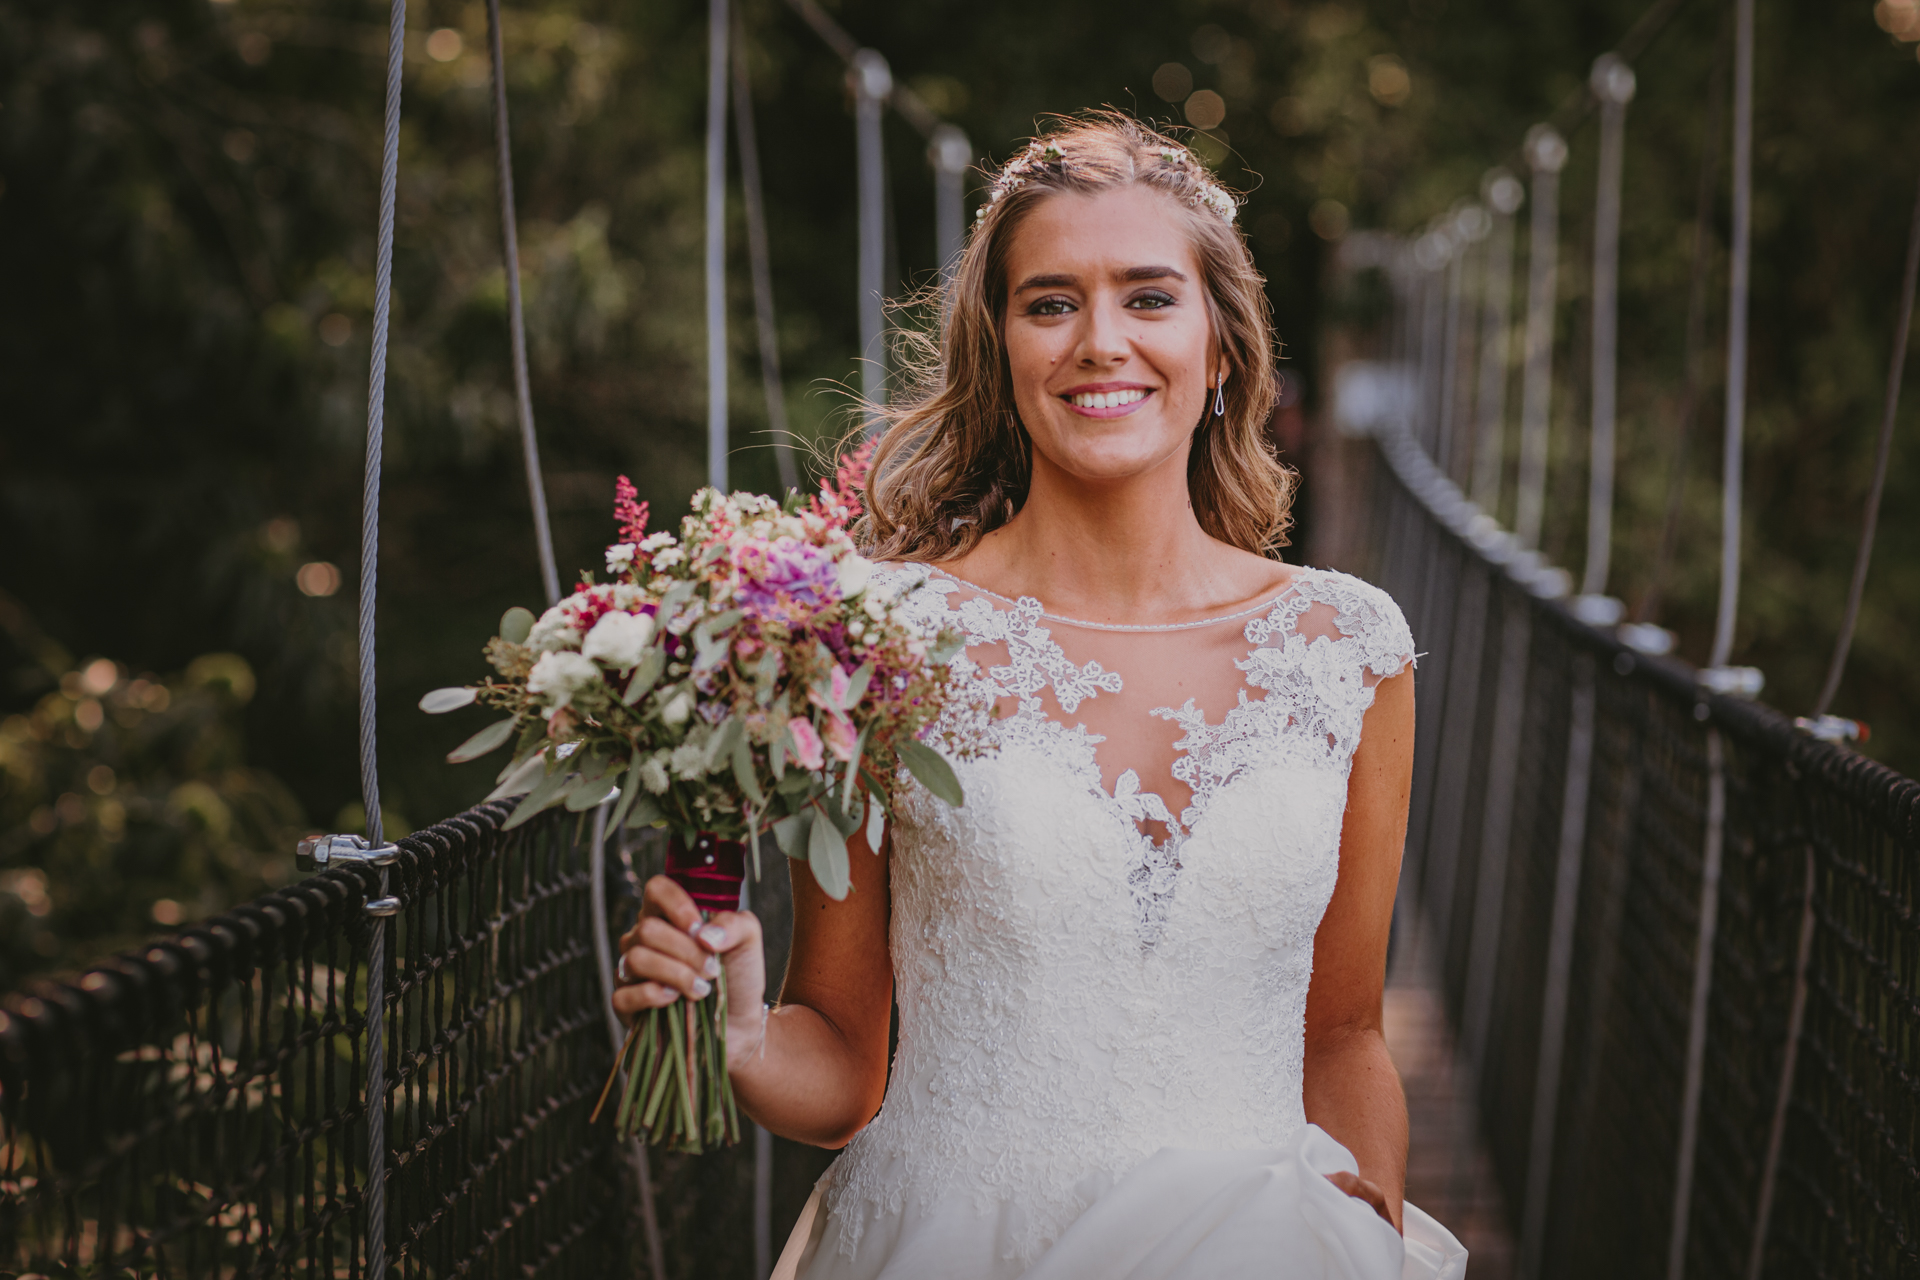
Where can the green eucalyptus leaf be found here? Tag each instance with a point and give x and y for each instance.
(629, 789)
(441, 701)
(790, 833)
(519, 779)
(853, 767)
(515, 625)
(533, 740)
(646, 813)
(876, 822)
(730, 731)
(744, 773)
(797, 782)
(827, 855)
(777, 757)
(550, 791)
(946, 647)
(590, 793)
(857, 687)
(491, 738)
(933, 771)
(719, 622)
(847, 822)
(646, 675)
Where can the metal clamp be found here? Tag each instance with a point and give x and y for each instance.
(316, 853)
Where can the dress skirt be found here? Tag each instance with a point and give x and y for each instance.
(1180, 1215)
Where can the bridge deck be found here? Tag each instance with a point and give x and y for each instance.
(1448, 1171)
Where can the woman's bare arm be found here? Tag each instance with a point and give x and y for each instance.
(1352, 1090)
(820, 1071)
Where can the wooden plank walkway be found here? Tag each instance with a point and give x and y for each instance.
(1448, 1172)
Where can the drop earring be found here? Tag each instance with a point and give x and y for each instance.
(1220, 398)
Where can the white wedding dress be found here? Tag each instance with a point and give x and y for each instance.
(1102, 1004)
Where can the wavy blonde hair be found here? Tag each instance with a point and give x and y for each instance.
(955, 461)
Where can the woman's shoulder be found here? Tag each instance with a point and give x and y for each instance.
(1359, 611)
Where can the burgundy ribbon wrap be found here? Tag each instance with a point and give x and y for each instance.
(711, 870)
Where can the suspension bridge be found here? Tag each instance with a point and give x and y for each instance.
(1664, 936)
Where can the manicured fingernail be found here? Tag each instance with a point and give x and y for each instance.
(702, 988)
(714, 936)
(713, 966)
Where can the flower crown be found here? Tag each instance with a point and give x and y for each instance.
(1043, 152)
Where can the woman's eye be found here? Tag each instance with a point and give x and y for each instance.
(1152, 300)
(1050, 307)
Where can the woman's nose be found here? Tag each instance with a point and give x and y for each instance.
(1103, 339)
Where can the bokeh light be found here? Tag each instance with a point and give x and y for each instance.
(317, 578)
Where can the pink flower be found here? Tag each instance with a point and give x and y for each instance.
(841, 737)
(806, 743)
(841, 684)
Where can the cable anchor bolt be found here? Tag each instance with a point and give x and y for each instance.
(316, 853)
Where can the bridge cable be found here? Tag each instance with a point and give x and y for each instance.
(1869, 523)
(516, 321)
(376, 1188)
(759, 259)
(1730, 504)
(716, 256)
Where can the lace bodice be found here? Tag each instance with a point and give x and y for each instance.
(1106, 951)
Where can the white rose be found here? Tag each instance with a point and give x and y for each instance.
(851, 574)
(678, 707)
(619, 640)
(560, 675)
(554, 631)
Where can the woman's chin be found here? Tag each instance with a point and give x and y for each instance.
(1113, 466)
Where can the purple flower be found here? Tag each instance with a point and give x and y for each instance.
(785, 579)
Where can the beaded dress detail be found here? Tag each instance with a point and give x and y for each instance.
(1101, 960)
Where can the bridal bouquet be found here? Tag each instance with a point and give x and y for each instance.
(745, 677)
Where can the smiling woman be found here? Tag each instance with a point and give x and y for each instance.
(1138, 970)
(1141, 246)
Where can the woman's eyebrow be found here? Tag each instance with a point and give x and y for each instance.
(1055, 281)
(1152, 273)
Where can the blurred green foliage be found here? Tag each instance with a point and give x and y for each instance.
(126, 805)
(187, 198)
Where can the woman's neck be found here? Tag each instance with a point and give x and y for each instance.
(1128, 551)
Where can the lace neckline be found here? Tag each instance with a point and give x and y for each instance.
(1263, 606)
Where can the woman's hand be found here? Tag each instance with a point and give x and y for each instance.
(669, 953)
(1360, 1189)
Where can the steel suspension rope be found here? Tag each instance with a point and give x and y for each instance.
(1870, 522)
(1736, 408)
(516, 320)
(716, 255)
(760, 263)
(376, 1102)
(1546, 156)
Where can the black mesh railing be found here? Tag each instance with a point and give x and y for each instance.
(1568, 787)
(197, 1109)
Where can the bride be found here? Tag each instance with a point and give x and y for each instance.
(1139, 972)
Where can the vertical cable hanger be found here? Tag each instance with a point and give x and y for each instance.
(1546, 153)
(516, 320)
(382, 908)
(759, 260)
(718, 28)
